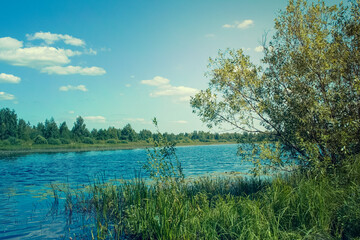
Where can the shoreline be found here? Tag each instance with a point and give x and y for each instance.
(89, 148)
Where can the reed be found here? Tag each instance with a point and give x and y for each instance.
(295, 206)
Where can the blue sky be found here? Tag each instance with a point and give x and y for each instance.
(119, 62)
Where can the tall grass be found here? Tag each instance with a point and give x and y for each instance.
(295, 206)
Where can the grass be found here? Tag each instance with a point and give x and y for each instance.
(295, 206)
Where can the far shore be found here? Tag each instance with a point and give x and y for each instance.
(15, 151)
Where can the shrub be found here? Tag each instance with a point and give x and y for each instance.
(5, 143)
(88, 140)
(54, 141)
(65, 141)
(14, 141)
(111, 141)
(40, 140)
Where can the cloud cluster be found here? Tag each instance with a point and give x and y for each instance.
(90, 71)
(164, 88)
(9, 78)
(73, 88)
(241, 25)
(47, 59)
(51, 38)
(6, 96)
(98, 119)
(180, 122)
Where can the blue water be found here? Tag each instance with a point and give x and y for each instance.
(25, 193)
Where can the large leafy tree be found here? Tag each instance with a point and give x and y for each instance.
(307, 91)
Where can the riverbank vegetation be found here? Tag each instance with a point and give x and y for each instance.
(296, 205)
(306, 94)
(17, 135)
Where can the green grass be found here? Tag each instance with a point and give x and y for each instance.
(296, 206)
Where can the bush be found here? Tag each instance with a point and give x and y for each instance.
(111, 141)
(87, 140)
(14, 141)
(123, 141)
(40, 140)
(65, 141)
(5, 143)
(54, 141)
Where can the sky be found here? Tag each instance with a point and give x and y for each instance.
(119, 62)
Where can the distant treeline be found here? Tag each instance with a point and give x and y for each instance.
(14, 131)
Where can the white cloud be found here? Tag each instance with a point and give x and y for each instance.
(46, 58)
(210, 35)
(137, 120)
(164, 88)
(259, 49)
(180, 122)
(228, 26)
(51, 38)
(71, 112)
(132, 76)
(91, 51)
(37, 56)
(174, 91)
(127, 85)
(245, 24)
(99, 119)
(6, 96)
(9, 78)
(73, 88)
(134, 119)
(10, 43)
(67, 70)
(156, 81)
(242, 25)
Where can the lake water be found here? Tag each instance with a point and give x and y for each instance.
(25, 193)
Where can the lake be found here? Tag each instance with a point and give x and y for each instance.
(25, 192)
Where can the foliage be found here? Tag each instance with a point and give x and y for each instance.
(87, 140)
(64, 131)
(128, 133)
(297, 206)
(307, 91)
(14, 141)
(64, 141)
(51, 129)
(79, 130)
(54, 141)
(162, 163)
(25, 132)
(40, 140)
(111, 141)
(8, 123)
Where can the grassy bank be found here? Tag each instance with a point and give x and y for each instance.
(27, 148)
(296, 206)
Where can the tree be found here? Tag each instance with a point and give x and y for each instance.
(23, 130)
(79, 129)
(306, 93)
(64, 131)
(8, 123)
(51, 129)
(128, 133)
(145, 134)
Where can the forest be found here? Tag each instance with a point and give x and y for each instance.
(16, 131)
